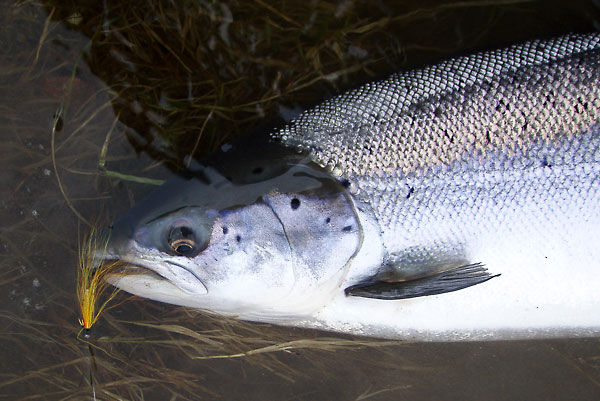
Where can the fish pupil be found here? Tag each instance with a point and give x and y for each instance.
(183, 249)
(182, 240)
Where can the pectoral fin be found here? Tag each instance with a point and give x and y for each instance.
(447, 281)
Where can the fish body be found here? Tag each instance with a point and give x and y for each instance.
(454, 202)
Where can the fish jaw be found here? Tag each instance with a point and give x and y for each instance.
(143, 283)
(154, 270)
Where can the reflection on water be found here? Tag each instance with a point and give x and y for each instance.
(142, 86)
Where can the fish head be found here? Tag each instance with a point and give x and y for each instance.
(269, 248)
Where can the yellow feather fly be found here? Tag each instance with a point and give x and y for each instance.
(91, 278)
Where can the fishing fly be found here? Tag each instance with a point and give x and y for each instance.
(92, 273)
(92, 283)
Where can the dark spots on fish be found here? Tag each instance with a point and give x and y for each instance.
(238, 238)
(345, 183)
(449, 136)
(328, 220)
(549, 99)
(225, 230)
(438, 112)
(525, 125)
(545, 162)
(257, 170)
(581, 105)
(347, 228)
(488, 137)
(295, 203)
(411, 190)
(368, 149)
(501, 107)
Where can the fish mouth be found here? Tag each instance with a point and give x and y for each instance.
(132, 269)
(157, 275)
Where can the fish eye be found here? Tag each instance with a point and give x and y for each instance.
(182, 240)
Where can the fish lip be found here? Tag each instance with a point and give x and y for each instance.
(135, 268)
(138, 263)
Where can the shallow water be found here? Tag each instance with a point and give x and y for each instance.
(151, 83)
